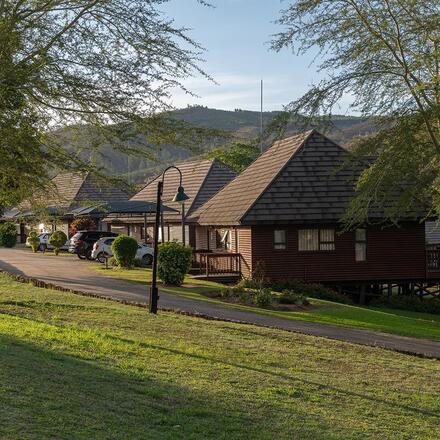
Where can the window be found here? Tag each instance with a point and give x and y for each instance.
(279, 239)
(361, 245)
(316, 239)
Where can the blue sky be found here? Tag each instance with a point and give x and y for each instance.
(236, 34)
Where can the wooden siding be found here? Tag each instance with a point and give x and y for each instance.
(244, 247)
(392, 254)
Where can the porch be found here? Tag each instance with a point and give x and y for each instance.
(219, 266)
(433, 260)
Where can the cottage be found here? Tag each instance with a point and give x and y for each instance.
(201, 180)
(70, 190)
(283, 215)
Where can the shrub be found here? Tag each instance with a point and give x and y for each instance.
(82, 224)
(311, 290)
(8, 234)
(34, 241)
(124, 250)
(409, 302)
(173, 262)
(263, 297)
(290, 297)
(57, 240)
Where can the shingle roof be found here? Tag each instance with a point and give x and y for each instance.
(72, 189)
(201, 179)
(236, 203)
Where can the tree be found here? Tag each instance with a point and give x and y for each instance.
(236, 155)
(8, 234)
(82, 224)
(124, 250)
(173, 262)
(58, 240)
(106, 64)
(386, 55)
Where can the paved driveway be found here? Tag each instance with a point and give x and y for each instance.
(72, 273)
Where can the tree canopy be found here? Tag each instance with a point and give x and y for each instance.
(237, 155)
(107, 64)
(385, 55)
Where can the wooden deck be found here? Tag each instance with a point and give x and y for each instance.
(217, 266)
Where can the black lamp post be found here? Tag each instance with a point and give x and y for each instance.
(180, 197)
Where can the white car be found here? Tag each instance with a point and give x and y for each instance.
(102, 249)
(44, 242)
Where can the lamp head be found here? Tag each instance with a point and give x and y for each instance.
(180, 196)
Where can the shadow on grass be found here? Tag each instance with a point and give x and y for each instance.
(289, 378)
(48, 394)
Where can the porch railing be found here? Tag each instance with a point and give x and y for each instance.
(216, 263)
(433, 257)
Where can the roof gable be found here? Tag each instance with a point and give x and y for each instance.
(232, 203)
(201, 179)
(311, 187)
(71, 189)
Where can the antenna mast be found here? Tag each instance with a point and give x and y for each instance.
(261, 116)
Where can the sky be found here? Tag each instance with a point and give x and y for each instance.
(236, 35)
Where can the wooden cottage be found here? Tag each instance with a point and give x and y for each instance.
(201, 180)
(283, 216)
(70, 190)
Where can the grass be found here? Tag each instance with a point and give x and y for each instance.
(79, 368)
(400, 322)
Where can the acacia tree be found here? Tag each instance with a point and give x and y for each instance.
(237, 155)
(386, 55)
(106, 64)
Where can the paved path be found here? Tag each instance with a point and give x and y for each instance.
(74, 274)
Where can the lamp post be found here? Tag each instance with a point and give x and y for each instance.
(180, 197)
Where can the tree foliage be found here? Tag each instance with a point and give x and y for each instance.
(57, 240)
(124, 250)
(82, 224)
(8, 234)
(385, 54)
(174, 262)
(34, 241)
(237, 155)
(106, 64)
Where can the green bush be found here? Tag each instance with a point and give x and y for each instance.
(173, 262)
(290, 297)
(263, 297)
(34, 241)
(312, 290)
(57, 240)
(124, 250)
(8, 234)
(409, 302)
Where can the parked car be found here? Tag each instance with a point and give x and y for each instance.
(102, 249)
(44, 242)
(82, 242)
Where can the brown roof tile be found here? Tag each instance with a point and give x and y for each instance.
(230, 205)
(201, 179)
(72, 189)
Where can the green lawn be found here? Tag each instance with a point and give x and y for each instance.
(73, 367)
(406, 323)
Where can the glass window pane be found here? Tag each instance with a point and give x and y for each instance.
(361, 234)
(327, 235)
(308, 240)
(361, 251)
(327, 246)
(279, 239)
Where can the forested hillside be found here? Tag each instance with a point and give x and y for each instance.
(242, 124)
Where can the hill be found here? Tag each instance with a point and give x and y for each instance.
(242, 124)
